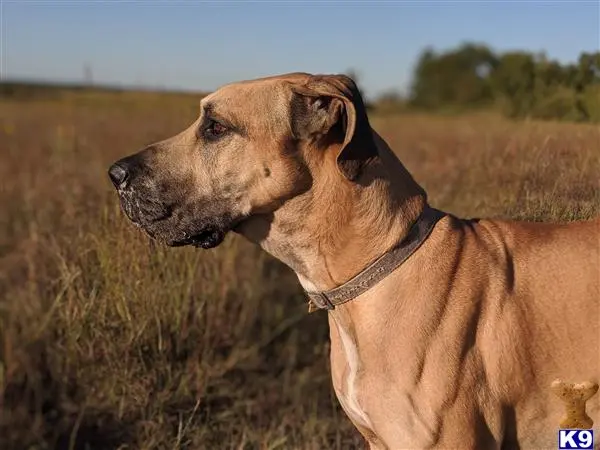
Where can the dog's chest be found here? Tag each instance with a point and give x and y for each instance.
(346, 373)
(385, 414)
(360, 391)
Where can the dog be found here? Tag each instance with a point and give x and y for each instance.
(446, 333)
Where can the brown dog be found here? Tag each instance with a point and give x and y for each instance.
(445, 333)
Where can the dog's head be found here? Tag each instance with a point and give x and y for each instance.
(255, 145)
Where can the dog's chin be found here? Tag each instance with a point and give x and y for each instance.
(203, 233)
(206, 239)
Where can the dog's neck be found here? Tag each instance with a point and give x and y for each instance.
(334, 231)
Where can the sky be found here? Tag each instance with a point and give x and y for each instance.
(200, 45)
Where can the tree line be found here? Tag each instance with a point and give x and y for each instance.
(519, 83)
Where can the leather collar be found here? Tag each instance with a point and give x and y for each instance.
(379, 269)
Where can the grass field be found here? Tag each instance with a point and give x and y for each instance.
(108, 341)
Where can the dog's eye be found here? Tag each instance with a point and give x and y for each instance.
(215, 129)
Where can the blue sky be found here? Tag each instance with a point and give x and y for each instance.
(200, 45)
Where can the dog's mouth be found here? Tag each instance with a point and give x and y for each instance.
(208, 238)
(174, 227)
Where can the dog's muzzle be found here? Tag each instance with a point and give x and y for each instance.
(138, 195)
(175, 221)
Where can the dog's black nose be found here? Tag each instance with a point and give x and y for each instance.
(118, 174)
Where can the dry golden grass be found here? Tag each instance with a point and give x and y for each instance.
(108, 341)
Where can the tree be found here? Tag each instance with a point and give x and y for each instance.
(456, 78)
(514, 82)
(588, 70)
(521, 83)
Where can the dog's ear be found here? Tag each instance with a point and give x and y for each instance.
(326, 104)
